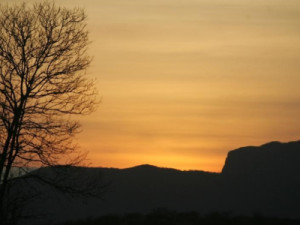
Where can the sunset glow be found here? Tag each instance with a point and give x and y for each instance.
(183, 82)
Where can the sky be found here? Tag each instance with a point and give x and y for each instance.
(183, 82)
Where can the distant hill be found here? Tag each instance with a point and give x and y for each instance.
(261, 180)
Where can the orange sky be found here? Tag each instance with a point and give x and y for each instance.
(184, 82)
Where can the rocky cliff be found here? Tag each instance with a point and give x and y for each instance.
(274, 158)
(263, 179)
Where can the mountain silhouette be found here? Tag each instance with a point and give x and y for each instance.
(262, 179)
(270, 159)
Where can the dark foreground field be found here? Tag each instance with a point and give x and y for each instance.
(165, 217)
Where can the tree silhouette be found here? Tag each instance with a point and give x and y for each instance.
(43, 82)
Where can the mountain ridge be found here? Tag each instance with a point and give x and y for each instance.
(261, 179)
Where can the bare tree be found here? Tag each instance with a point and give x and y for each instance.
(43, 82)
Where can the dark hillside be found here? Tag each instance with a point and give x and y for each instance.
(261, 180)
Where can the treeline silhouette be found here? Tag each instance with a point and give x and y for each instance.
(167, 217)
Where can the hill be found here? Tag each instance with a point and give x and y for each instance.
(262, 179)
